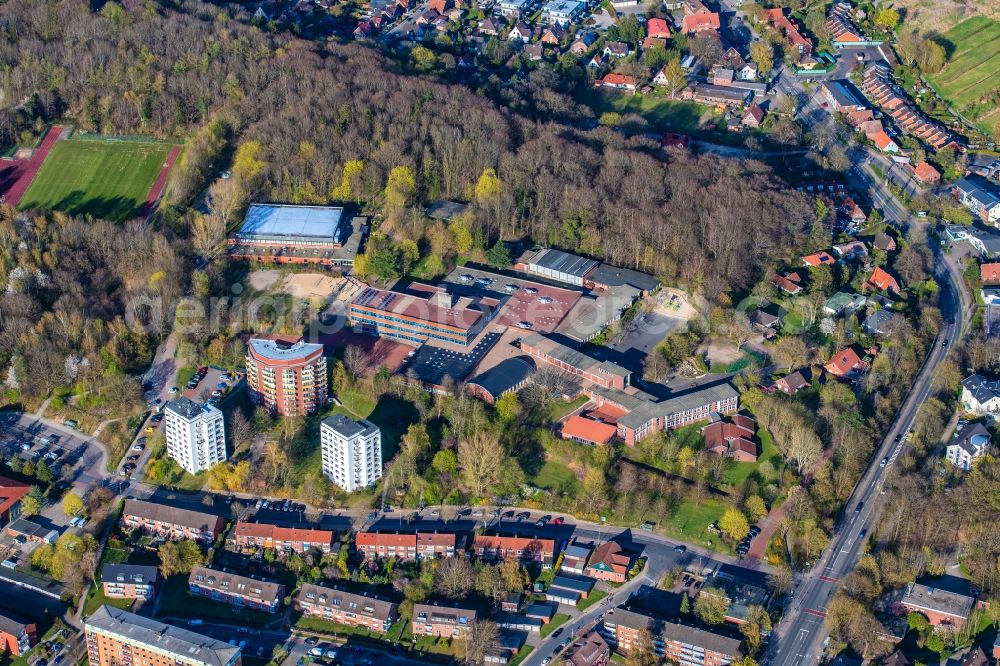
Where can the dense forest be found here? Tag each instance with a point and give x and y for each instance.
(188, 70)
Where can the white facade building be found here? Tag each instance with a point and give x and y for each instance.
(980, 395)
(196, 435)
(352, 452)
(969, 443)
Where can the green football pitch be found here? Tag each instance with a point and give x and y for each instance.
(101, 178)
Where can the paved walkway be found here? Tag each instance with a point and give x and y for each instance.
(160, 185)
(16, 175)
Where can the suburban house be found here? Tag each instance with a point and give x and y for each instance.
(925, 173)
(588, 650)
(969, 443)
(945, 600)
(609, 563)
(700, 21)
(617, 82)
(851, 250)
(792, 383)
(821, 258)
(657, 28)
(784, 25)
(732, 438)
(171, 522)
(294, 539)
(883, 322)
(407, 546)
(129, 581)
(846, 364)
(844, 303)
(884, 142)
(985, 241)
(616, 50)
(496, 547)
(880, 280)
(442, 621)
(754, 117)
(575, 558)
(980, 197)
(980, 395)
(520, 32)
(790, 282)
(884, 242)
(989, 273)
(356, 610)
(236, 590)
(852, 212)
(534, 51)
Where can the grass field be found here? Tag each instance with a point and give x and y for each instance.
(104, 179)
(660, 111)
(969, 80)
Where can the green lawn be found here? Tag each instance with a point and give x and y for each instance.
(662, 112)
(321, 626)
(522, 655)
(969, 78)
(594, 597)
(96, 599)
(741, 471)
(560, 410)
(558, 620)
(690, 523)
(105, 179)
(555, 476)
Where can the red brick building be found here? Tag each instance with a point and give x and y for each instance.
(236, 590)
(129, 581)
(949, 607)
(17, 635)
(441, 621)
(412, 546)
(678, 643)
(732, 438)
(171, 522)
(287, 379)
(295, 539)
(609, 562)
(11, 494)
(495, 548)
(356, 610)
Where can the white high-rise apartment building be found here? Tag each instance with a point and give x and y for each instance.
(352, 452)
(196, 434)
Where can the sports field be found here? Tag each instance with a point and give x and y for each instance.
(970, 80)
(102, 178)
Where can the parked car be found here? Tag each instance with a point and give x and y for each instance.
(138, 447)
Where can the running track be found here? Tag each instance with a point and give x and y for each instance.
(16, 175)
(161, 183)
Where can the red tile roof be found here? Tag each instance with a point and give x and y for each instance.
(11, 492)
(700, 21)
(843, 362)
(588, 430)
(657, 27)
(926, 173)
(990, 273)
(819, 258)
(882, 281)
(619, 80)
(404, 540)
(276, 533)
(883, 140)
(612, 556)
(495, 541)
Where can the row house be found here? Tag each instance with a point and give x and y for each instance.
(171, 522)
(407, 546)
(879, 86)
(294, 539)
(495, 548)
(678, 643)
(356, 610)
(442, 621)
(236, 590)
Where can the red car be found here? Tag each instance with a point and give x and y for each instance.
(559, 520)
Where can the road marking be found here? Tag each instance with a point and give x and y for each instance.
(813, 611)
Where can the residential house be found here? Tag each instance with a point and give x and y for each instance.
(983, 164)
(843, 32)
(356, 610)
(731, 59)
(844, 303)
(407, 546)
(881, 281)
(588, 650)
(610, 562)
(617, 82)
(675, 140)
(945, 600)
(883, 322)
(236, 590)
(171, 522)
(293, 539)
(980, 395)
(722, 76)
(596, 62)
(653, 42)
(989, 273)
(553, 35)
(533, 52)
(488, 26)
(129, 581)
(792, 383)
(971, 442)
(520, 32)
(442, 621)
(657, 28)
(858, 117)
(885, 143)
(851, 250)
(575, 558)
(767, 318)
(616, 50)
(790, 282)
(980, 197)
(793, 35)
(852, 212)
(842, 96)
(925, 173)
(733, 438)
(846, 363)
(754, 116)
(821, 258)
(496, 547)
(583, 42)
(884, 242)
(700, 21)
(984, 241)
(11, 494)
(880, 87)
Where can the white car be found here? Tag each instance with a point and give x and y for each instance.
(173, 390)
(523, 324)
(316, 652)
(138, 447)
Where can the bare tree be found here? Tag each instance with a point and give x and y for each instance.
(454, 577)
(480, 639)
(356, 361)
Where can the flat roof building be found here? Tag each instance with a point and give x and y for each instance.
(11, 494)
(351, 452)
(558, 265)
(281, 224)
(113, 634)
(288, 379)
(196, 434)
(563, 12)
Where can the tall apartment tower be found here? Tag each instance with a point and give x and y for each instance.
(352, 452)
(119, 638)
(196, 434)
(287, 379)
